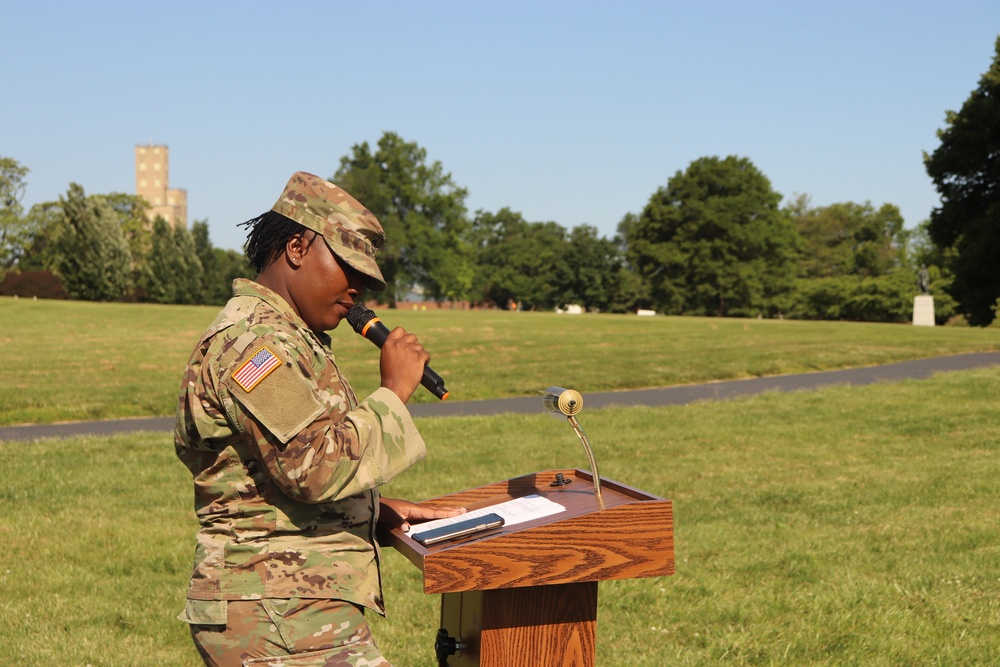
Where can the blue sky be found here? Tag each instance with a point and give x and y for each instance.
(574, 112)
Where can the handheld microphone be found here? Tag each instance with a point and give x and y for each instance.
(367, 323)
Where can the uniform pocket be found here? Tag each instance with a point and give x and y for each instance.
(204, 612)
(319, 632)
(361, 653)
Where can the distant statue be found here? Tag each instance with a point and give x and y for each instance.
(923, 280)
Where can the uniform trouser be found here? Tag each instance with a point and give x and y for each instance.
(289, 633)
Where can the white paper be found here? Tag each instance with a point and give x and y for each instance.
(513, 512)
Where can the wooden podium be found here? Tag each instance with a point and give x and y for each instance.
(525, 595)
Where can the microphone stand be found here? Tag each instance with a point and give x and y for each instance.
(568, 403)
(590, 457)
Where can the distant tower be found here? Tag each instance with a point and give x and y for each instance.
(152, 183)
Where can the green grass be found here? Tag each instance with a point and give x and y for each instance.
(846, 526)
(67, 361)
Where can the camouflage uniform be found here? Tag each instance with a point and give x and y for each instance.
(286, 464)
(296, 632)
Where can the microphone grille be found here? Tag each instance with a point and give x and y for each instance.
(567, 402)
(358, 316)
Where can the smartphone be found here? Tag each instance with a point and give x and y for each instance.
(460, 529)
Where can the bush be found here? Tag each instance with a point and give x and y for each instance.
(886, 298)
(41, 284)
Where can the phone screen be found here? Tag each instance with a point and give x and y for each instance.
(460, 529)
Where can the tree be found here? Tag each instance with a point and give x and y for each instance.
(631, 291)
(173, 273)
(885, 298)
(853, 263)
(94, 259)
(540, 265)
(13, 236)
(849, 239)
(965, 169)
(714, 242)
(132, 212)
(594, 262)
(231, 264)
(220, 267)
(422, 211)
(213, 282)
(45, 226)
(520, 262)
(158, 281)
(191, 274)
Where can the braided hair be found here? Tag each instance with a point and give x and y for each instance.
(269, 234)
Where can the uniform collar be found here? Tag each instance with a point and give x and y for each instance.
(245, 287)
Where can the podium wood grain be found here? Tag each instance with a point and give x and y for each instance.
(527, 594)
(631, 537)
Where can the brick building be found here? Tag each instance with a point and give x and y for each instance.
(152, 183)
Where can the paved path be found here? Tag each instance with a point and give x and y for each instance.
(679, 395)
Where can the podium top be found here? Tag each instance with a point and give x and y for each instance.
(629, 535)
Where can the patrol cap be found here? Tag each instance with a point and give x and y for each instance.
(352, 231)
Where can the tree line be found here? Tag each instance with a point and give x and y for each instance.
(103, 247)
(714, 240)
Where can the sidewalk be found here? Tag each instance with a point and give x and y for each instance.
(917, 369)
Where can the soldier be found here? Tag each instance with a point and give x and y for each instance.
(286, 460)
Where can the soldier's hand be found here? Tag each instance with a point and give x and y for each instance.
(397, 513)
(402, 363)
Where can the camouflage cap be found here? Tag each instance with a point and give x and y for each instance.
(352, 231)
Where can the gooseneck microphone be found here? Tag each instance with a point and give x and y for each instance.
(367, 323)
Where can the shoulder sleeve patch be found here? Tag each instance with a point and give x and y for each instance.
(255, 369)
(275, 392)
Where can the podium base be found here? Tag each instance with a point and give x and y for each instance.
(923, 310)
(546, 626)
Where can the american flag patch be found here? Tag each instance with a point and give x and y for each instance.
(256, 369)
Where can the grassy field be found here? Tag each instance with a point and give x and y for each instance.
(847, 526)
(67, 361)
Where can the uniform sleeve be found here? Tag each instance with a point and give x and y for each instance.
(302, 430)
